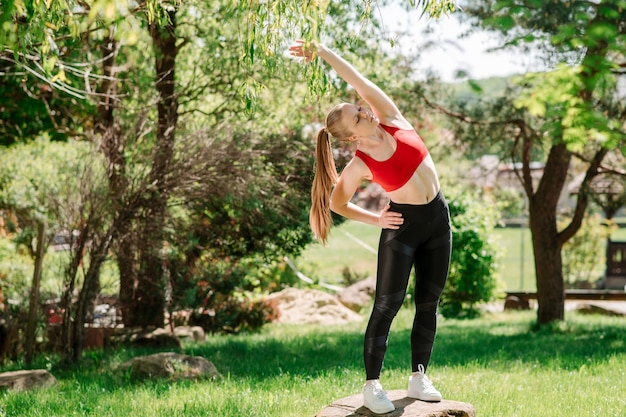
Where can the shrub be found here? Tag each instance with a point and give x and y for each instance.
(224, 294)
(232, 315)
(473, 265)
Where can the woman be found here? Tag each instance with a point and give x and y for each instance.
(415, 223)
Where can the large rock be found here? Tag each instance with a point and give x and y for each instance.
(311, 307)
(359, 294)
(406, 407)
(26, 380)
(170, 365)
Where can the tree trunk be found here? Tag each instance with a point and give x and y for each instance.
(112, 146)
(545, 236)
(34, 292)
(126, 254)
(67, 306)
(548, 264)
(150, 294)
(88, 294)
(149, 306)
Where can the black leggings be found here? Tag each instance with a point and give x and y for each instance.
(424, 241)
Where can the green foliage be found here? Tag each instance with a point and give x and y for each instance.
(59, 184)
(232, 316)
(15, 273)
(269, 24)
(584, 255)
(510, 202)
(578, 102)
(573, 112)
(15, 277)
(557, 97)
(473, 265)
(22, 115)
(487, 88)
(41, 181)
(219, 304)
(435, 8)
(236, 232)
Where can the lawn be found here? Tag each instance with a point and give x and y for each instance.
(497, 363)
(352, 246)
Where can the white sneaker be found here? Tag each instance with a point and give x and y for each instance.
(421, 388)
(375, 398)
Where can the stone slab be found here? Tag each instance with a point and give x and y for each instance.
(26, 380)
(406, 407)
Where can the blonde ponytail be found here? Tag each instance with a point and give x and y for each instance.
(325, 178)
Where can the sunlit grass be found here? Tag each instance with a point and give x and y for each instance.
(497, 363)
(516, 269)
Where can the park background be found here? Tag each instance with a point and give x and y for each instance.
(226, 241)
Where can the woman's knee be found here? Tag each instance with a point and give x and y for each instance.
(388, 305)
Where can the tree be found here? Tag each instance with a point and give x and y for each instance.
(23, 192)
(54, 42)
(571, 112)
(60, 185)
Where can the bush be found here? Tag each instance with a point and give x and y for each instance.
(232, 315)
(224, 294)
(15, 270)
(473, 265)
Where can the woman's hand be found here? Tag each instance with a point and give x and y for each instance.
(390, 219)
(303, 49)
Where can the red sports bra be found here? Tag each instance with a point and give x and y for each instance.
(394, 172)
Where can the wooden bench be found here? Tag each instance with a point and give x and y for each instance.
(521, 299)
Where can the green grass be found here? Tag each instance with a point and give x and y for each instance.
(516, 267)
(327, 263)
(497, 363)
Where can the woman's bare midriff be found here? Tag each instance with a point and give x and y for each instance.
(421, 188)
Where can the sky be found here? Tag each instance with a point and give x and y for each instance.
(449, 51)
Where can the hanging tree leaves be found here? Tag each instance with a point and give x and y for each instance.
(37, 35)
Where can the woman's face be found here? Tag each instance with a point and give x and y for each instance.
(359, 120)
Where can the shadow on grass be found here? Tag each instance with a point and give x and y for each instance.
(494, 342)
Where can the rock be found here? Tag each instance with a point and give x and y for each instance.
(406, 407)
(311, 307)
(359, 294)
(170, 365)
(26, 380)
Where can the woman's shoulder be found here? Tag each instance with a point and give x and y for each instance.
(393, 128)
(397, 122)
(357, 168)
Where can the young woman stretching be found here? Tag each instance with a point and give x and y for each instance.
(415, 224)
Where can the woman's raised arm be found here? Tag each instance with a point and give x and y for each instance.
(380, 103)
